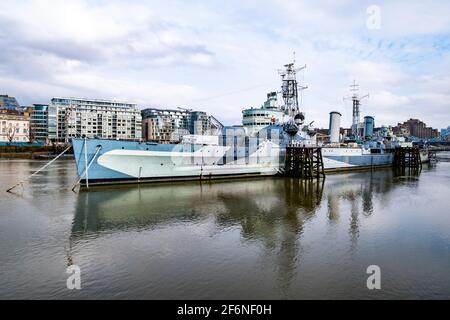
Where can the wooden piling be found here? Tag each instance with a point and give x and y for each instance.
(304, 162)
(407, 158)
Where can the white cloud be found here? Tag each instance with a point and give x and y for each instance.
(404, 17)
(172, 52)
(389, 101)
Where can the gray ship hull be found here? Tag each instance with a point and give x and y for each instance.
(116, 162)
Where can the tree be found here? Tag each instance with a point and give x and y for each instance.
(11, 133)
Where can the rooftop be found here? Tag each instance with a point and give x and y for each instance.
(93, 100)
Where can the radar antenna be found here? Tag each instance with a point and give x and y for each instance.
(289, 92)
(290, 88)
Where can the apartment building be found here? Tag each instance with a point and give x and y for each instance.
(91, 118)
(416, 128)
(14, 128)
(169, 125)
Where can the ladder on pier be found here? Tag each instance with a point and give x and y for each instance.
(407, 158)
(304, 162)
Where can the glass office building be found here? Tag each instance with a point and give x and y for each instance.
(52, 123)
(7, 102)
(39, 123)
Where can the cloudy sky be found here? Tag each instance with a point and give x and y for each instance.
(222, 56)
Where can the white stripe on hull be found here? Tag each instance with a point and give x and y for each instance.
(158, 164)
(155, 164)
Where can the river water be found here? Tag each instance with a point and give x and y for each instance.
(271, 238)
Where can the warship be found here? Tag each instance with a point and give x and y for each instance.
(257, 147)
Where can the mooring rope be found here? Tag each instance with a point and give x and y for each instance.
(87, 167)
(36, 172)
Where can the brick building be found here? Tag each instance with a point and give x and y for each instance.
(416, 128)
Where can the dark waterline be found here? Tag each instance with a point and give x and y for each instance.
(245, 239)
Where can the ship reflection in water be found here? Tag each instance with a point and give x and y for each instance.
(270, 211)
(262, 238)
(256, 206)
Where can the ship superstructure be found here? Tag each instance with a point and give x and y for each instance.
(270, 113)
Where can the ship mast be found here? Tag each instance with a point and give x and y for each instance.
(290, 88)
(289, 92)
(356, 112)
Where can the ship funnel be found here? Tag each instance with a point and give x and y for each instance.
(335, 125)
(369, 124)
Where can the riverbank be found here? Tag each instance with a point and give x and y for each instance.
(33, 152)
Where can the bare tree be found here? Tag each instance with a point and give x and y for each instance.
(30, 134)
(11, 133)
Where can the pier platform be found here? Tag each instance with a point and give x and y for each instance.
(304, 162)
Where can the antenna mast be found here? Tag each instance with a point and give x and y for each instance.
(356, 111)
(290, 87)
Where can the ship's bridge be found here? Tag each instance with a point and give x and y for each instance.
(256, 119)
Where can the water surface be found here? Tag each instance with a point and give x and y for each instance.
(245, 239)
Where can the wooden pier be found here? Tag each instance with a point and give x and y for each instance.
(407, 158)
(304, 162)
